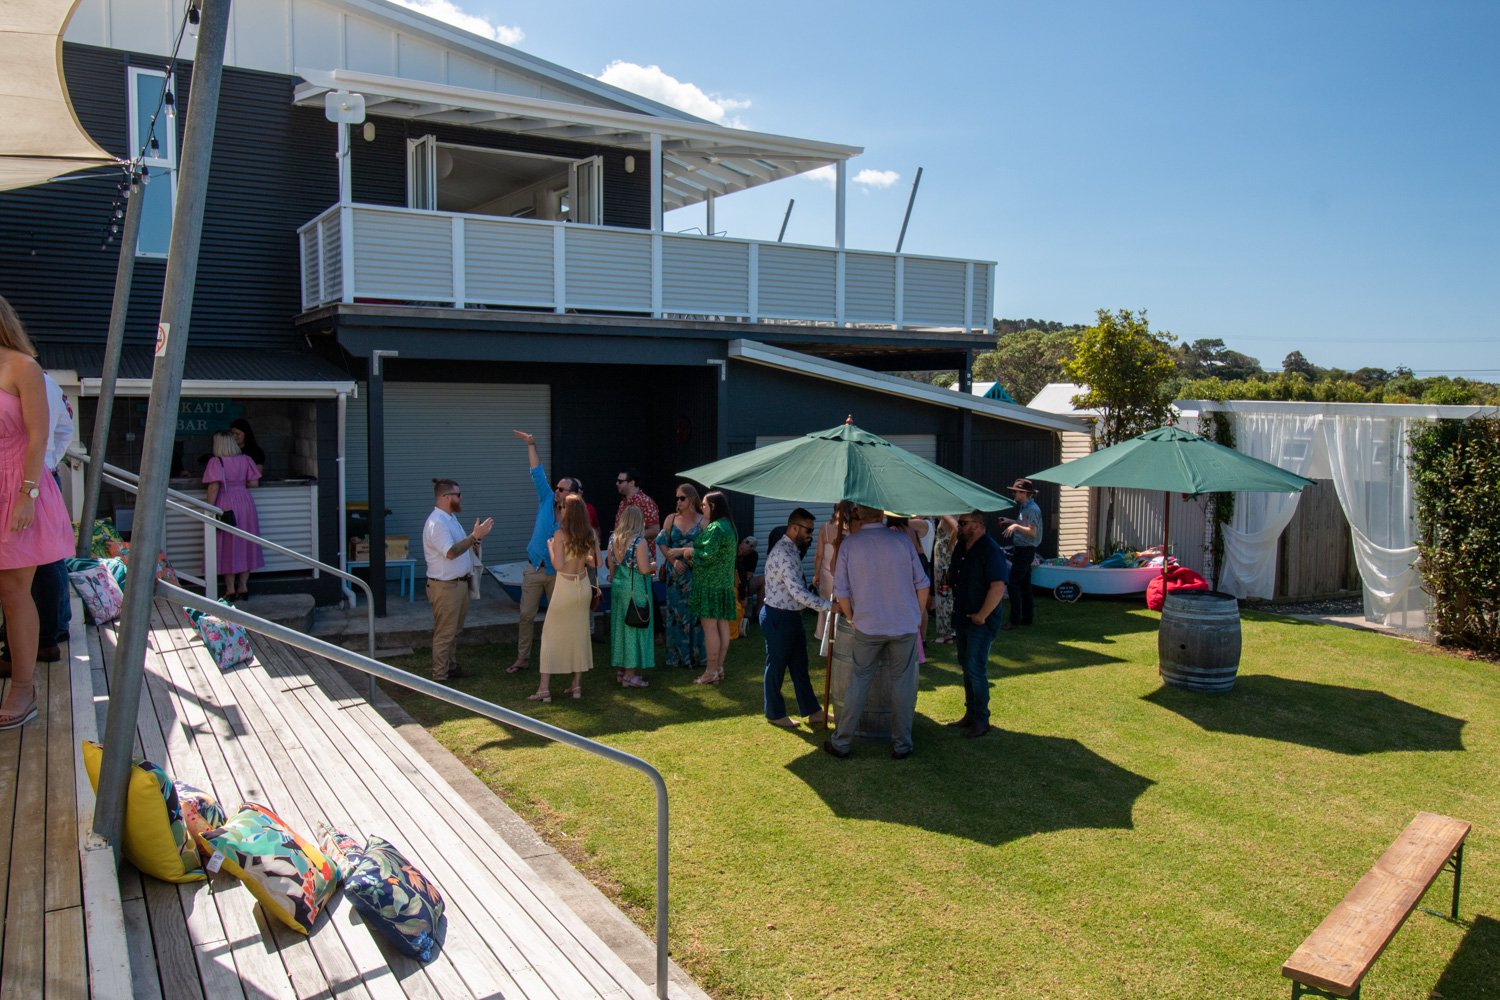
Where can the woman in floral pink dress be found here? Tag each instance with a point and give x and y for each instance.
(230, 477)
(34, 526)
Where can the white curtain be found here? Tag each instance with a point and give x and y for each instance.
(1368, 458)
(1287, 440)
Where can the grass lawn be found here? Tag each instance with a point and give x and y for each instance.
(1110, 838)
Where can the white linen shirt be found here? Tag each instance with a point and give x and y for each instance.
(441, 532)
(784, 587)
(60, 415)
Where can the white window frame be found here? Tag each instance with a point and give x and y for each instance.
(166, 159)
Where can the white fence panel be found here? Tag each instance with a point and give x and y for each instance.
(869, 288)
(403, 255)
(608, 269)
(705, 276)
(507, 264)
(797, 282)
(333, 265)
(934, 292)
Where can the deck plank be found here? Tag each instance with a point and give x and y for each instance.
(176, 964)
(579, 942)
(23, 957)
(10, 756)
(144, 984)
(567, 966)
(63, 889)
(67, 967)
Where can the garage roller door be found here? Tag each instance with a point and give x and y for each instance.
(455, 431)
(773, 513)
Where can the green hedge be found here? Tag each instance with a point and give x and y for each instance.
(1456, 480)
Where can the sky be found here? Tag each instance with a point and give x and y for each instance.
(1314, 176)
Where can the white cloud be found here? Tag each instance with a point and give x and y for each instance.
(877, 178)
(869, 178)
(658, 85)
(450, 13)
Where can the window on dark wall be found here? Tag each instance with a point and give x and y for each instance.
(146, 89)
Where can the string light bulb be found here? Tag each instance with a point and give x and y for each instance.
(171, 104)
(155, 146)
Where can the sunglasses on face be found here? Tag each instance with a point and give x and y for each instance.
(682, 499)
(452, 494)
(971, 522)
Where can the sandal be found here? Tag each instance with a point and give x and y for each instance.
(576, 691)
(542, 696)
(517, 667)
(635, 682)
(14, 720)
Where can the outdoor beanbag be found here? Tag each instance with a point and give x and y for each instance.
(390, 894)
(1177, 578)
(156, 834)
(288, 874)
(101, 595)
(227, 643)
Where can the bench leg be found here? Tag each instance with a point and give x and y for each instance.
(1301, 990)
(1456, 864)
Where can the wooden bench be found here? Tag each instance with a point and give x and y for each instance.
(1336, 956)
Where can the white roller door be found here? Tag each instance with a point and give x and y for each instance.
(455, 431)
(773, 513)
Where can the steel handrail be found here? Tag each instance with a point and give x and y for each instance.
(179, 502)
(374, 668)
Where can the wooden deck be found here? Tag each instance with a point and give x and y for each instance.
(288, 732)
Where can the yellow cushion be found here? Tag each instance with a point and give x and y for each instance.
(156, 837)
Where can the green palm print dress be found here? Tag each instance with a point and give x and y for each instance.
(713, 572)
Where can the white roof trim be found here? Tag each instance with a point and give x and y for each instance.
(805, 364)
(222, 387)
(699, 157)
(1418, 411)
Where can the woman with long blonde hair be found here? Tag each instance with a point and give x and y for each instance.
(632, 648)
(35, 529)
(567, 647)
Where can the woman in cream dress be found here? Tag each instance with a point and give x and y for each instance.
(567, 647)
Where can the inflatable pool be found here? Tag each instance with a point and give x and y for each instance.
(1096, 579)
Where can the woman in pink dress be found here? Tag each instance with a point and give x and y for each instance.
(34, 526)
(230, 477)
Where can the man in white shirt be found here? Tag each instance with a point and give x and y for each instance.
(781, 622)
(446, 548)
(49, 587)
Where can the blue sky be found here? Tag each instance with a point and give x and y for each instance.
(1315, 175)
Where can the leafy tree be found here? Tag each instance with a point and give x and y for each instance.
(1025, 361)
(1295, 363)
(1126, 368)
(1212, 359)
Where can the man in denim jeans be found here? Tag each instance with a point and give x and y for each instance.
(977, 577)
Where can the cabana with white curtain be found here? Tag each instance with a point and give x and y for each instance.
(1363, 449)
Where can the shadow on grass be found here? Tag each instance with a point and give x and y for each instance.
(993, 790)
(1055, 642)
(1325, 716)
(1474, 969)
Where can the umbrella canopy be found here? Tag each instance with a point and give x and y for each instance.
(1174, 461)
(846, 463)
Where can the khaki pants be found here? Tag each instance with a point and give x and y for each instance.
(450, 605)
(534, 583)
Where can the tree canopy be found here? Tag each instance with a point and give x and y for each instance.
(1126, 370)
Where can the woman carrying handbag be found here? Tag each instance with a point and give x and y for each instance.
(632, 639)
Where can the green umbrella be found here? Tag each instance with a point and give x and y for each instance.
(1174, 461)
(846, 463)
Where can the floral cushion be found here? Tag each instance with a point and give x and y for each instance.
(390, 894)
(227, 643)
(156, 838)
(201, 812)
(164, 571)
(101, 595)
(104, 533)
(285, 871)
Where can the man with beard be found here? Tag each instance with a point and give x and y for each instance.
(446, 549)
(977, 575)
(781, 622)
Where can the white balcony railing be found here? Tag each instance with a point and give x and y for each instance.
(354, 253)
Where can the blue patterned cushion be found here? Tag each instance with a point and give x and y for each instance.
(389, 893)
(228, 643)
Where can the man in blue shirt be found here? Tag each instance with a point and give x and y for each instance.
(976, 577)
(539, 575)
(1025, 532)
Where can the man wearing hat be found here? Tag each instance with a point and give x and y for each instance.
(1024, 531)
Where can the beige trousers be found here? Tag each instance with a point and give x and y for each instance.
(534, 583)
(450, 605)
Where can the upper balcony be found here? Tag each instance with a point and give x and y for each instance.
(516, 220)
(354, 253)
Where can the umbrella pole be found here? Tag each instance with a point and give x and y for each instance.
(1166, 537)
(828, 631)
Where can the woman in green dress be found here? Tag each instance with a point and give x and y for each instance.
(631, 648)
(712, 600)
(684, 635)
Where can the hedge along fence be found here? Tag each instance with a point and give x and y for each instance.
(1456, 481)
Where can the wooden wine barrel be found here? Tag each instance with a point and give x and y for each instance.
(1199, 641)
(875, 724)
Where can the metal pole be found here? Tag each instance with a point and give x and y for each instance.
(161, 420)
(375, 439)
(784, 219)
(910, 201)
(124, 273)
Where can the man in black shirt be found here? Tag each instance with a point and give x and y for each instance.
(977, 577)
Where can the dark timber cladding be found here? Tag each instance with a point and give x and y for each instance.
(768, 402)
(273, 170)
